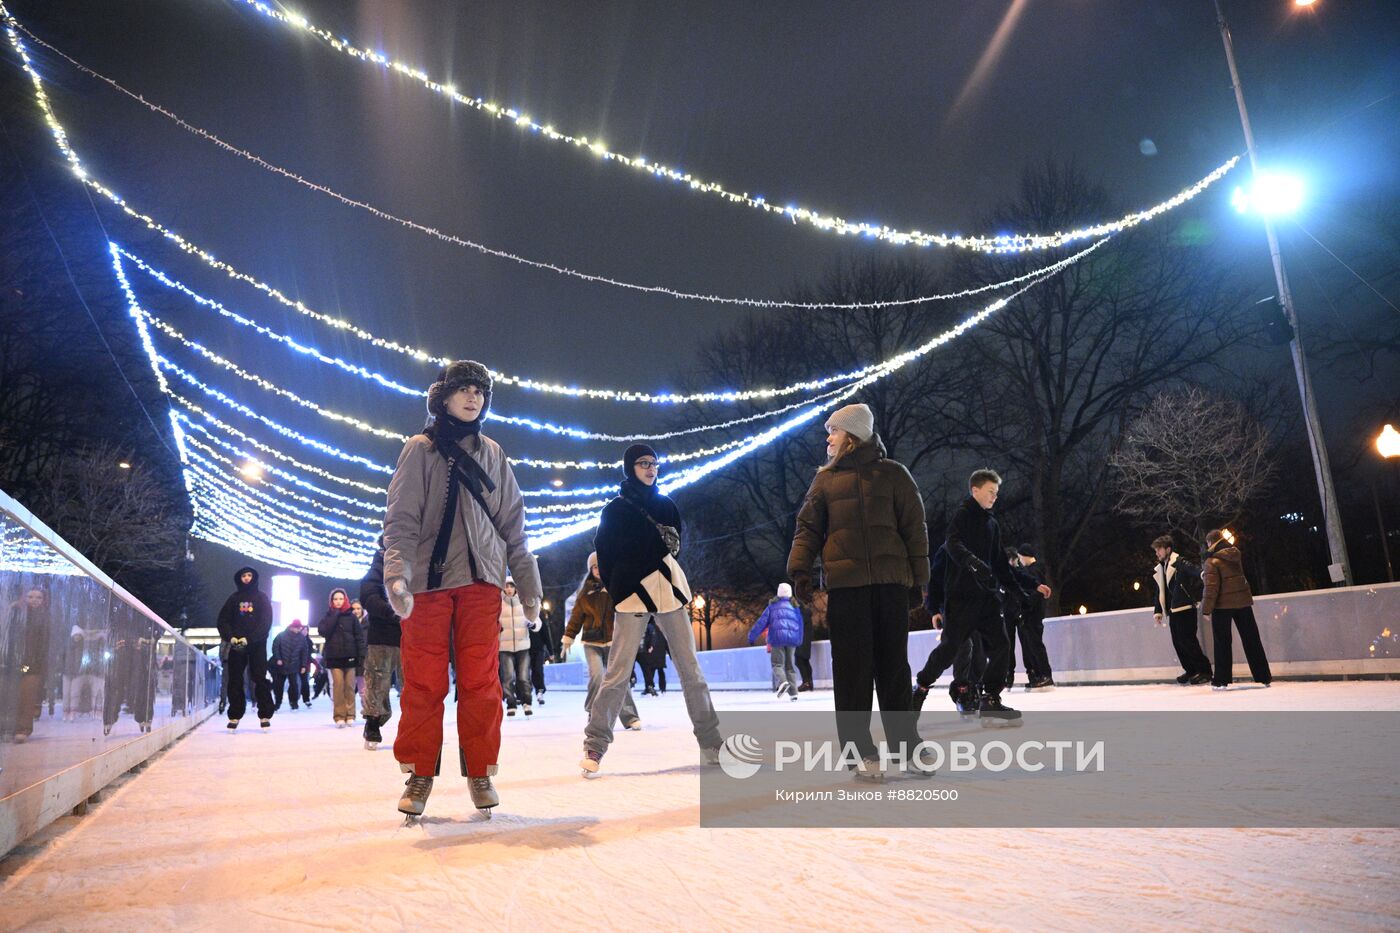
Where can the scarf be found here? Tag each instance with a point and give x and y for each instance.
(463, 473)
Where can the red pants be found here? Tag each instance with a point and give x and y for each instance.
(465, 619)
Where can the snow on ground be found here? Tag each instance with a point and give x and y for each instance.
(298, 829)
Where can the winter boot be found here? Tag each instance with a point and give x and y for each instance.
(484, 795)
(415, 795)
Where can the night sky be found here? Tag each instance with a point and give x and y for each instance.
(898, 113)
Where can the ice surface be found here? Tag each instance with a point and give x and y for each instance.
(298, 829)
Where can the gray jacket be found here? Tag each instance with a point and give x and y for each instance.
(417, 496)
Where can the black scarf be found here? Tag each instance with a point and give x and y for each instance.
(463, 473)
(640, 494)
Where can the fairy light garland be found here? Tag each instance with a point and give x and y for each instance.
(763, 303)
(1004, 243)
(124, 254)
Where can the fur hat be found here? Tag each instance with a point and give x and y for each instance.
(856, 420)
(633, 454)
(785, 591)
(458, 375)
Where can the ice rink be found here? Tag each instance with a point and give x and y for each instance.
(297, 829)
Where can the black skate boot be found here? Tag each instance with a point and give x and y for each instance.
(995, 714)
(371, 733)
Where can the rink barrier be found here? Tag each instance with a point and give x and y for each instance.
(82, 641)
(1344, 632)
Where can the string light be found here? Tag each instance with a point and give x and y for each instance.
(21, 552)
(765, 303)
(579, 434)
(60, 137)
(1004, 243)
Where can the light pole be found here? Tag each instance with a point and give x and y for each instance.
(1388, 446)
(1340, 569)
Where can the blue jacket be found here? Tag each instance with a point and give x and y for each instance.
(783, 621)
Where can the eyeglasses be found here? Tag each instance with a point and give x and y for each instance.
(648, 464)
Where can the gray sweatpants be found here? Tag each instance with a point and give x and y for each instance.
(785, 667)
(597, 657)
(628, 629)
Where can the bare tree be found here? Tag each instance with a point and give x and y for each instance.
(120, 518)
(1192, 462)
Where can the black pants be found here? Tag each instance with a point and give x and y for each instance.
(969, 664)
(1012, 625)
(1033, 653)
(1188, 649)
(1249, 638)
(305, 681)
(281, 681)
(537, 656)
(804, 666)
(651, 673)
(967, 615)
(253, 659)
(870, 644)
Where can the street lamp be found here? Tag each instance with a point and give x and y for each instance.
(1340, 568)
(1388, 446)
(703, 607)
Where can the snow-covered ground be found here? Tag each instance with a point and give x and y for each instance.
(298, 829)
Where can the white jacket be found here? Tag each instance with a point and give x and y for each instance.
(515, 632)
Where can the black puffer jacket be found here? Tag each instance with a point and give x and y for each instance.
(345, 637)
(865, 519)
(291, 651)
(383, 623)
(976, 559)
(248, 612)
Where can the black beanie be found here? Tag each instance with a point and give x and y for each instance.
(634, 453)
(455, 376)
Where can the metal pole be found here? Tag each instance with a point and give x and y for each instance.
(1385, 543)
(1332, 519)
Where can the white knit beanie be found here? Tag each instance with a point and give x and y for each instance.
(785, 591)
(856, 420)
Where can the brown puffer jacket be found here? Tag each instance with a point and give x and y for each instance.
(866, 520)
(1223, 575)
(592, 618)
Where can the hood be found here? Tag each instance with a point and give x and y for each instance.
(869, 452)
(330, 600)
(1229, 554)
(252, 585)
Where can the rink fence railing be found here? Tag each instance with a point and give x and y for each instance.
(1349, 631)
(93, 683)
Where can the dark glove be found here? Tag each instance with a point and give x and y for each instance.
(802, 587)
(916, 597)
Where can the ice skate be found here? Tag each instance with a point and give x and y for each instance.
(996, 715)
(634, 726)
(870, 771)
(1040, 686)
(484, 795)
(783, 688)
(265, 724)
(232, 724)
(529, 711)
(590, 762)
(415, 795)
(1183, 679)
(1200, 679)
(511, 711)
(371, 734)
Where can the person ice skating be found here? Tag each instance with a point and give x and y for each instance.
(976, 565)
(1227, 598)
(541, 649)
(591, 622)
(781, 622)
(638, 541)
(1030, 574)
(864, 518)
(455, 525)
(343, 654)
(291, 656)
(970, 661)
(652, 657)
(1176, 590)
(382, 662)
(321, 680)
(515, 651)
(244, 623)
(803, 656)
